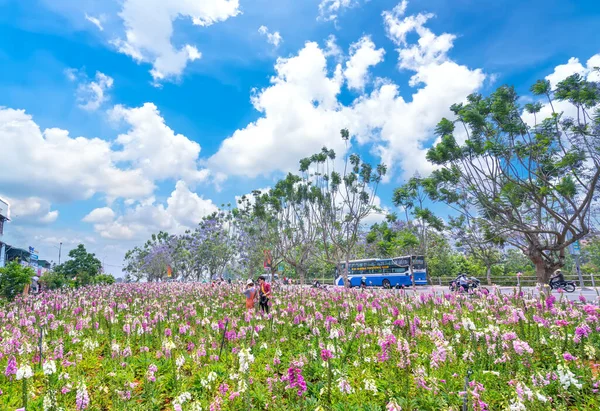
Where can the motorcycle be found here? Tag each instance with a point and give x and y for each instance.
(568, 286)
(472, 284)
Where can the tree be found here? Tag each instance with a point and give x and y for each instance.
(289, 212)
(412, 196)
(82, 265)
(341, 200)
(517, 262)
(532, 184)
(13, 279)
(482, 245)
(391, 238)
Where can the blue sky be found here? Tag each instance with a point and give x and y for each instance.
(120, 118)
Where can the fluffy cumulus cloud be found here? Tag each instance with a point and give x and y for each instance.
(573, 66)
(53, 165)
(561, 72)
(32, 210)
(301, 110)
(100, 215)
(154, 148)
(363, 55)
(149, 30)
(300, 115)
(272, 38)
(184, 210)
(91, 94)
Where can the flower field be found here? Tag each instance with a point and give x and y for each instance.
(194, 347)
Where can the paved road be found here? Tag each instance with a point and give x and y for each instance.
(590, 294)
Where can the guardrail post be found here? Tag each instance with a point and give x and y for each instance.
(440, 280)
(593, 282)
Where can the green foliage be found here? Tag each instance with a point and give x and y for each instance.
(13, 279)
(515, 261)
(52, 280)
(531, 181)
(103, 279)
(82, 264)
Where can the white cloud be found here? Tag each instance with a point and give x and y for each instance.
(300, 116)
(95, 21)
(272, 38)
(430, 49)
(301, 111)
(363, 55)
(184, 210)
(53, 165)
(330, 10)
(90, 94)
(149, 28)
(151, 146)
(32, 210)
(573, 66)
(561, 72)
(100, 215)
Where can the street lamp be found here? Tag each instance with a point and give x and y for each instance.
(59, 251)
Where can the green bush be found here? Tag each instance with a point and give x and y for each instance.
(13, 279)
(103, 279)
(53, 280)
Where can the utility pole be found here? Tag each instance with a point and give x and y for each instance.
(59, 251)
(575, 250)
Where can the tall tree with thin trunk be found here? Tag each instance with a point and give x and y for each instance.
(341, 200)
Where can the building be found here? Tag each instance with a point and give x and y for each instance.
(4, 217)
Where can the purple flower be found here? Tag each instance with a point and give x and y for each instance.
(11, 367)
(568, 357)
(326, 355)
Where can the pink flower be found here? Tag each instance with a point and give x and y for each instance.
(568, 357)
(326, 355)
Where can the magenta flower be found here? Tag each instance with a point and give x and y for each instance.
(326, 355)
(11, 367)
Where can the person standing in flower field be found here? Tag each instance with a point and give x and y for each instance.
(264, 291)
(250, 293)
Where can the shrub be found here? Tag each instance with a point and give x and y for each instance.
(13, 279)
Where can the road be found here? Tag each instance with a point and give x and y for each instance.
(590, 294)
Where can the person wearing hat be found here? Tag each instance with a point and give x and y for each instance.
(363, 282)
(250, 293)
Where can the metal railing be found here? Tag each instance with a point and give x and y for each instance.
(589, 280)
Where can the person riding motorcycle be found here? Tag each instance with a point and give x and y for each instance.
(363, 282)
(557, 278)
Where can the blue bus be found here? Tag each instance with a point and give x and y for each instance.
(385, 272)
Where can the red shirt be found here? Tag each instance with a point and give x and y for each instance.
(265, 289)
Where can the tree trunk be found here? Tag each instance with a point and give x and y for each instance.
(544, 271)
(345, 272)
(488, 273)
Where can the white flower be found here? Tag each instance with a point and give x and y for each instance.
(63, 376)
(517, 405)
(590, 351)
(49, 402)
(242, 386)
(212, 376)
(334, 333)
(468, 324)
(195, 406)
(263, 346)
(24, 372)
(541, 397)
(567, 378)
(180, 361)
(370, 385)
(183, 397)
(245, 358)
(49, 367)
(169, 345)
(89, 344)
(115, 347)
